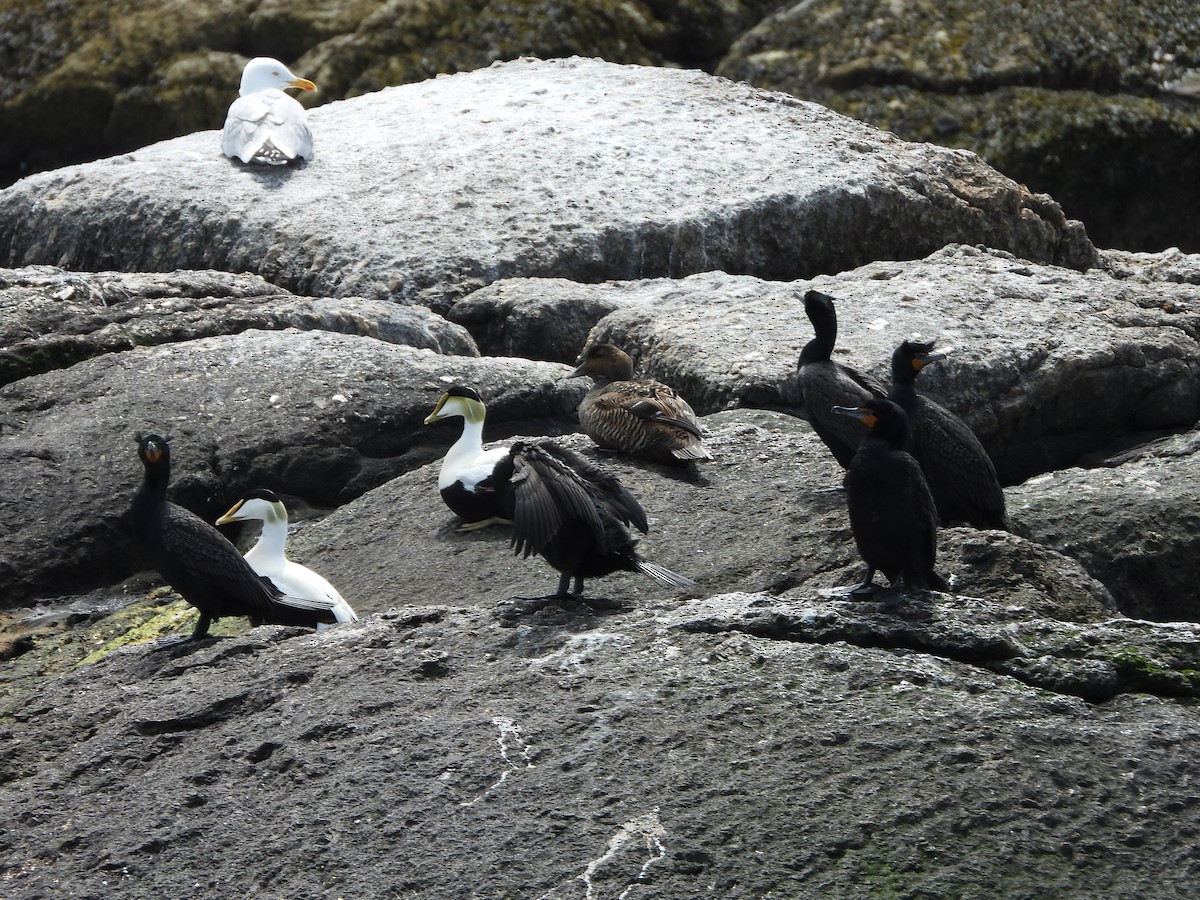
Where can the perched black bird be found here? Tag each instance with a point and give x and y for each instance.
(561, 506)
(959, 472)
(825, 384)
(200, 563)
(892, 514)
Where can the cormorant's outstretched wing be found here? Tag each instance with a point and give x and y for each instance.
(603, 486)
(547, 493)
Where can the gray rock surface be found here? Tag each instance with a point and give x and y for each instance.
(758, 735)
(575, 168)
(51, 318)
(318, 415)
(1046, 364)
(677, 750)
(1133, 523)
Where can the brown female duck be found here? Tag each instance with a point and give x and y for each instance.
(641, 417)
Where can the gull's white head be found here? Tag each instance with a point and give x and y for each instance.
(263, 73)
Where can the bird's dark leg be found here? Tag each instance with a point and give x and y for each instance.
(578, 592)
(199, 633)
(866, 587)
(533, 604)
(201, 629)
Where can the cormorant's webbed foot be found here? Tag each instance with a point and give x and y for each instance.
(467, 527)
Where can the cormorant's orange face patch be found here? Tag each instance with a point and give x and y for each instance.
(153, 452)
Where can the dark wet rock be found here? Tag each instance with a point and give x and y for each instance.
(51, 318)
(1046, 364)
(570, 168)
(1094, 102)
(1134, 523)
(671, 751)
(318, 415)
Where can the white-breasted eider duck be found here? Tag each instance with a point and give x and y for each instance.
(961, 475)
(562, 507)
(265, 125)
(199, 563)
(467, 480)
(892, 513)
(825, 384)
(641, 417)
(268, 557)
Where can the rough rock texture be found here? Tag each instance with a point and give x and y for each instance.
(1092, 101)
(317, 415)
(575, 168)
(51, 318)
(674, 751)
(138, 72)
(1046, 364)
(1134, 523)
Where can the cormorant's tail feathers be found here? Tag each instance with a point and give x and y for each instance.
(663, 574)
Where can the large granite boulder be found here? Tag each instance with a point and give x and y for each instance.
(124, 91)
(578, 169)
(739, 746)
(1132, 521)
(1093, 102)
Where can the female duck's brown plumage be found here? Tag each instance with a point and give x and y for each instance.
(641, 417)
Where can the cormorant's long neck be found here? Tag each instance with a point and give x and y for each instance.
(148, 501)
(464, 451)
(820, 348)
(903, 390)
(153, 488)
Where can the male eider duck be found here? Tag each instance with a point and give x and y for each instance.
(825, 384)
(199, 563)
(268, 557)
(467, 480)
(640, 417)
(561, 506)
(892, 514)
(961, 475)
(265, 125)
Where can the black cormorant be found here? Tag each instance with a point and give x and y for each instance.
(959, 472)
(199, 563)
(892, 514)
(825, 384)
(641, 417)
